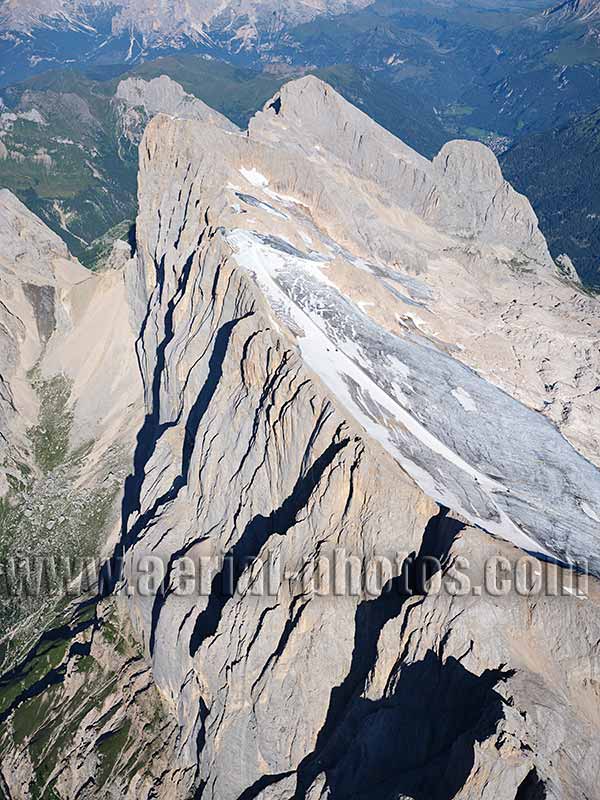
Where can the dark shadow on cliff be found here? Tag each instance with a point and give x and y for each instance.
(153, 429)
(419, 738)
(532, 788)
(254, 537)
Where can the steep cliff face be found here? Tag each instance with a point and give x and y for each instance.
(323, 241)
(337, 344)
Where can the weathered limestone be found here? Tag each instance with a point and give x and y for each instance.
(140, 100)
(270, 430)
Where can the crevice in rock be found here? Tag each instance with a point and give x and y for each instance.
(255, 535)
(288, 629)
(163, 591)
(532, 788)
(252, 792)
(197, 411)
(203, 714)
(132, 240)
(152, 429)
(370, 619)
(276, 105)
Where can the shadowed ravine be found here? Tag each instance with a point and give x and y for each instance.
(152, 429)
(421, 734)
(255, 535)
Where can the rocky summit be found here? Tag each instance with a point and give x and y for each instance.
(322, 347)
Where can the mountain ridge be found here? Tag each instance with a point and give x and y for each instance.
(343, 352)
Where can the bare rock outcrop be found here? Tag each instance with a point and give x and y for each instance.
(274, 319)
(63, 319)
(140, 100)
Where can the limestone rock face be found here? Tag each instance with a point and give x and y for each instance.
(309, 345)
(461, 192)
(389, 309)
(486, 206)
(349, 359)
(63, 319)
(140, 100)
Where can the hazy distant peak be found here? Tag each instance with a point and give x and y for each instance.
(158, 18)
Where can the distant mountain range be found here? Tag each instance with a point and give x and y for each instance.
(162, 18)
(587, 11)
(36, 35)
(39, 34)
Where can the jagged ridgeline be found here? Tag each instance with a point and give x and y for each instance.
(346, 351)
(69, 139)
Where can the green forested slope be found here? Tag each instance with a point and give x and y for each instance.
(560, 173)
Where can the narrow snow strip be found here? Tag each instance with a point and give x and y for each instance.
(464, 398)
(589, 512)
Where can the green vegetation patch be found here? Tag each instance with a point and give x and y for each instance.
(52, 529)
(459, 111)
(50, 437)
(49, 657)
(109, 750)
(98, 252)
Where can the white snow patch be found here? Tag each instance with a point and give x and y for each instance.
(286, 199)
(575, 593)
(254, 177)
(589, 512)
(363, 304)
(97, 175)
(464, 398)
